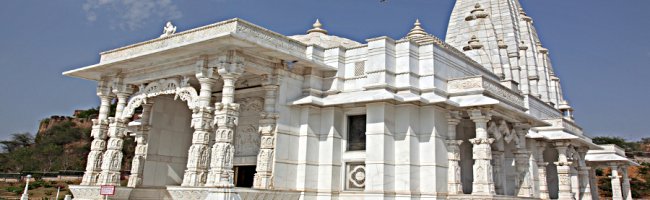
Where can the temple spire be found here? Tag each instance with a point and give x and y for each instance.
(505, 31)
(317, 28)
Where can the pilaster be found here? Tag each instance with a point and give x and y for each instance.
(112, 160)
(564, 171)
(226, 117)
(454, 185)
(99, 129)
(202, 122)
(483, 180)
(141, 139)
(267, 129)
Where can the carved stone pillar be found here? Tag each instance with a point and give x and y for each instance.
(593, 183)
(583, 173)
(627, 192)
(585, 187)
(268, 121)
(141, 138)
(522, 161)
(564, 171)
(482, 154)
(454, 185)
(112, 161)
(541, 170)
(617, 193)
(202, 122)
(498, 174)
(226, 118)
(99, 128)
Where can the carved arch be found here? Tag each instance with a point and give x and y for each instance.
(179, 88)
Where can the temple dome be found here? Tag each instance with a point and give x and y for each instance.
(319, 36)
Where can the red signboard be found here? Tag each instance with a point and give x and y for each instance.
(107, 190)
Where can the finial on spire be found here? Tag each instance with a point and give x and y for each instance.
(317, 28)
(416, 31)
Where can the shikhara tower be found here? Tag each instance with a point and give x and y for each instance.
(235, 111)
(499, 35)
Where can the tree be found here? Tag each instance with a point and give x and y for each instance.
(18, 140)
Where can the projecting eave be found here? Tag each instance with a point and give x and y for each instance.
(608, 154)
(367, 96)
(233, 34)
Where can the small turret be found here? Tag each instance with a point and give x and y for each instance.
(416, 31)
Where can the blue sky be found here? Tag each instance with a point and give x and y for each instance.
(600, 48)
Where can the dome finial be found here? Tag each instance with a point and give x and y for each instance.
(417, 30)
(317, 28)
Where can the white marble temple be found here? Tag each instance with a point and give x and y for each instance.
(235, 111)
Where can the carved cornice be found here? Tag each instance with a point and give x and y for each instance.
(235, 26)
(481, 85)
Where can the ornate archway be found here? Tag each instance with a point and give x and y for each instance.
(180, 88)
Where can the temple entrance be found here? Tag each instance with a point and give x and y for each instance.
(169, 138)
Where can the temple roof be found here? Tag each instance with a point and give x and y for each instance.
(319, 36)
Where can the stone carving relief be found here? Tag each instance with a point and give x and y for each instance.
(247, 138)
(247, 141)
(356, 176)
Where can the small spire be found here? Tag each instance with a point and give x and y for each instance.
(476, 13)
(317, 28)
(416, 31)
(472, 44)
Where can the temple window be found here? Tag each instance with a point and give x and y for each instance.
(356, 132)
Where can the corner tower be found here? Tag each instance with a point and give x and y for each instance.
(500, 36)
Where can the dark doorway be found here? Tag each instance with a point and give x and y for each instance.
(244, 176)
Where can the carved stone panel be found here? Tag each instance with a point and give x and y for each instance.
(247, 139)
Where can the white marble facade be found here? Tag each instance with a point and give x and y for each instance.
(232, 106)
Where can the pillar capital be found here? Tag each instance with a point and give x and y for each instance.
(453, 117)
(230, 65)
(270, 80)
(121, 89)
(104, 89)
(479, 114)
(204, 71)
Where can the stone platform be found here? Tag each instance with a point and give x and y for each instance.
(182, 193)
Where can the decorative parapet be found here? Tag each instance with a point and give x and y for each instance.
(480, 85)
(540, 109)
(235, 26)
(563, 124)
